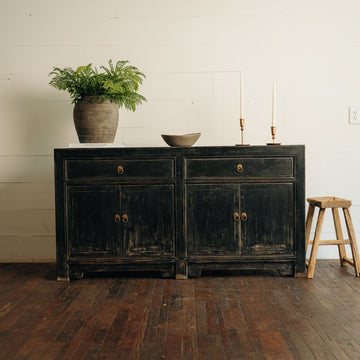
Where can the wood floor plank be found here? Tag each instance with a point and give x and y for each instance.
(154, 343)
(274, 346)
(189, 342)
(298, 347)
(221, 316)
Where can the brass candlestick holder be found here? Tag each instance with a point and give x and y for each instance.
(242, 125)
(273, 134)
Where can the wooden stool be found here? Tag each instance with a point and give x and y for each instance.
(334, 204)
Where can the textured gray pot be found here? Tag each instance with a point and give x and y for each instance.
(96, 121)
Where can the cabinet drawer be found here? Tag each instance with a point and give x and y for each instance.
(239, 167)
(119, 169)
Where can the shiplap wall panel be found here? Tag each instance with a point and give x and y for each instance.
(66, 31)
(34, 128)
(26, 169)
(15, 196)
(34, 141)
(43, 249)
(41, 59)
(22, 248)
(192, 53)
(37, 115)
(51, 9)
(4, 87)
(182, 116)
(33, 222)
(188, 86)
(169, 113)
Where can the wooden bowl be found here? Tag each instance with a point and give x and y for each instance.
(186, 140)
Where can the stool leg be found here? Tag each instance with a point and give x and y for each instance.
(311, 267)
(352, 238)
(339, 235)
(309, 219)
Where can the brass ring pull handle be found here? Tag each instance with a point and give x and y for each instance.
(243, 216)
(239, 168)
(125, 219)
(117, 218)
(120, 170)
(236, 216)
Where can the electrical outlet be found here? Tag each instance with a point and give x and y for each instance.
(354, 115)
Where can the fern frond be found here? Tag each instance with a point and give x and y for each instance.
(118, 83)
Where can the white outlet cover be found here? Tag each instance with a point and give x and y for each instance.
(354, 115)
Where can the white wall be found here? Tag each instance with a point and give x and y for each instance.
(192, 52)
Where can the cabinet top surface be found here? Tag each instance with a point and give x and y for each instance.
(186, 151)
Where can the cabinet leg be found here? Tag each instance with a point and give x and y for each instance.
(61, 278)
(167, 274)
(181, 270)
(76, 274)
(62, 272)
(286, 270)
(195, 272)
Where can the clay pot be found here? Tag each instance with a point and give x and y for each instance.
(96, 121)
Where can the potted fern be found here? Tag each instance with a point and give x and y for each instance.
(98, 95)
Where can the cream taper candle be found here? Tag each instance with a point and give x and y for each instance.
(242, 113)
(273, 123)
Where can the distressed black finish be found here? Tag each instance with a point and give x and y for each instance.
(269, 228)
(90, 222)
(210, 226)
(180, 210)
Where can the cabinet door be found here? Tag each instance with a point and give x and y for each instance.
(211, 218)
(269, 224)
(92, 229)
(148, 213)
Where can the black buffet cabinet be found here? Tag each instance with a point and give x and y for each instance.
(180, 211)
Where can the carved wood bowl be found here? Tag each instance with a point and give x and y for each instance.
(186, 140)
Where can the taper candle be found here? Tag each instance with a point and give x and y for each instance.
(273, 123)
(242, 114)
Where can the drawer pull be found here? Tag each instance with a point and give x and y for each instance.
(125, 219)
(236, 216)
(239, 168)
(120, 170)
(243, 216)
(117, 218)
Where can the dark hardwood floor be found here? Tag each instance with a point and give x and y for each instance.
(215, 317)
